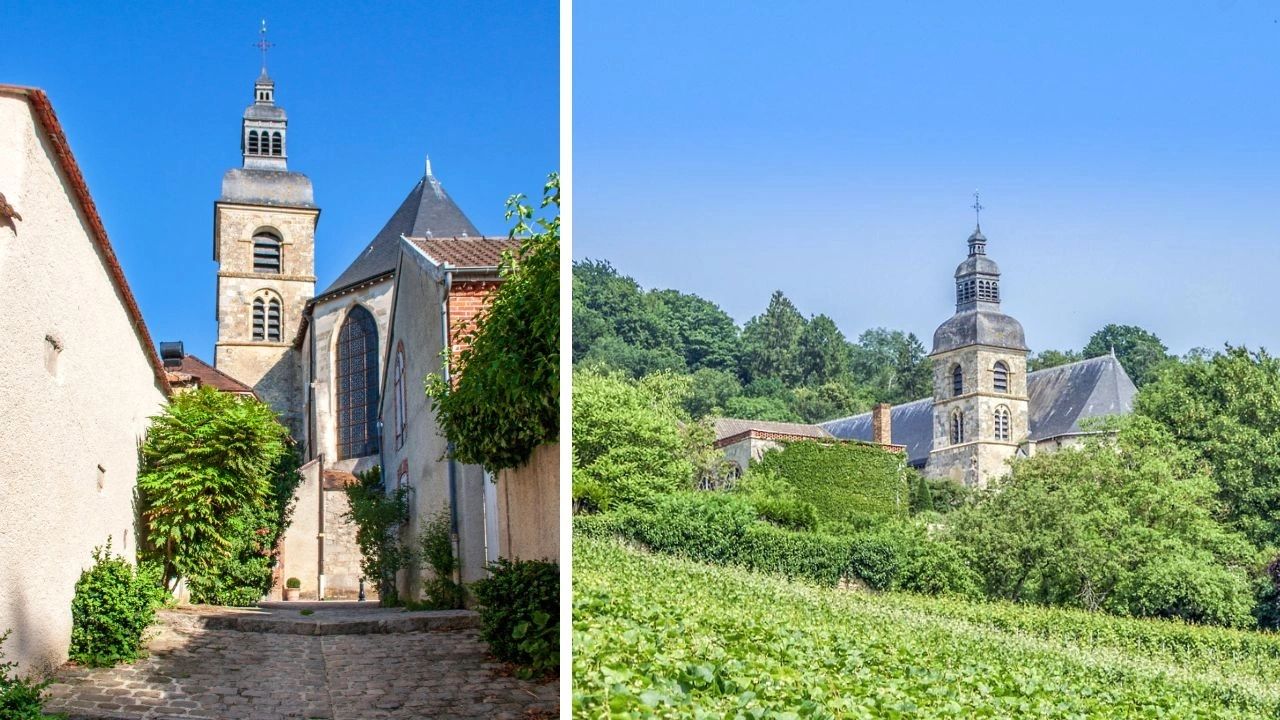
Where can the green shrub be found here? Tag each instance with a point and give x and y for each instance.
(788, 513)
(20, 697)
(114, 603)
(441, 591)
(520, 614)
(809, 556)
(293, 583)
(378, 516)
(845, 482)
(707, 526)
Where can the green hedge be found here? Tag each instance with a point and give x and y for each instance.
(845, 482)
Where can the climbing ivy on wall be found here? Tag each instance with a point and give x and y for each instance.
(845, 482)
(506, 400)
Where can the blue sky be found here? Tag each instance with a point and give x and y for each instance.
(150, 96)
(1128, 156)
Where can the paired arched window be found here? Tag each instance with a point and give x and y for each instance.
(277, 144)
(1000, 377)
(357, 385)
(266, 318)
(957, 427)
(957, 380)
(398, 383)
(1002, 423)
(253, 142)
(266, 253)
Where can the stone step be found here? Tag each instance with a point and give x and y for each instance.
(333, 619)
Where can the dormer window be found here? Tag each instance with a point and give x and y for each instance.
(266, 253)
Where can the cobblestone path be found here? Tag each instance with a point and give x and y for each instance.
(193, 672)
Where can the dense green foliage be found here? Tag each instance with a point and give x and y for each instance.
(663, 637)
(520, 614)
(1046, 359)
(1124, 524)
(1139, 351)
(506, 401)
(113, 605)
(21, 697)
(627, 439)
(218, 474)
(845, 482)
(441, 591)
(378, 515)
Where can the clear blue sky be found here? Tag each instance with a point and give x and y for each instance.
(1128, 156)
(151, 95)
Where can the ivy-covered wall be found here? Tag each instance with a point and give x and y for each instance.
(845, 482)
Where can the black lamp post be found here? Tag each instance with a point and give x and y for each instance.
(361, 589)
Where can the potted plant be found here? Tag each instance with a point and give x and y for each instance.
(291, 588)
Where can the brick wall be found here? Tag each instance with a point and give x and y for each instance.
(466, 300)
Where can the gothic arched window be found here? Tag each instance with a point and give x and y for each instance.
(957, 427)
(357, 385)
(253, 142)
(398, 379)
(277, 146)
(957, 380)
(273, 320)
(1000, 375)
(259, 319)
(266, 253)
(1002, 423)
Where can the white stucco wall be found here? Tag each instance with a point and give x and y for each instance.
(74, 418)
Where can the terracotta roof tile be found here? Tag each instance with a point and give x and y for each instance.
(728, 427)
(206, 374)
(465, 252)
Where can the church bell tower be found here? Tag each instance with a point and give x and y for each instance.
(264, 243)
(979, 376)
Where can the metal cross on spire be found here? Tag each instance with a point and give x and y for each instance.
(263, 45)
(977, 210)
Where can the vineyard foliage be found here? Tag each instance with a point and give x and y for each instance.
(663, 637)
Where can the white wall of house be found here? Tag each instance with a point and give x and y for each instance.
(78, 389)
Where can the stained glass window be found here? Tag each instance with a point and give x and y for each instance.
(357, 385)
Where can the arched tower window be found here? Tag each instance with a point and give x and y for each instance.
(957, 426)
(259, 319)
(1002, 423)
(1000, 377)
(957, 380)
(398, 384)
(266, 253)
(253, 142)
(357, 384)
(273, 320)
(276, 145)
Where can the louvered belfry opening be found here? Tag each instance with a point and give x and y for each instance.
(357, 381)
(259, 319)
(273, 320)
(266, 253)
(253, 142)
(277, 146)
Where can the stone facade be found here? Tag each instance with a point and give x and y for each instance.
(79, 378)
(273, 369)
(981, 455)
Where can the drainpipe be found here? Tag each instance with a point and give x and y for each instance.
(453, 469)
(320, 535)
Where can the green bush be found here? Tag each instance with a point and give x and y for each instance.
(293, 583)
(114, 603)
(520, 614)
(20, 697)
(378, 516)
(707, 526)
(809, 556)
(441, 591)
(845, 482)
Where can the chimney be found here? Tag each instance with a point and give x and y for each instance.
(881, 430)
(171, 354)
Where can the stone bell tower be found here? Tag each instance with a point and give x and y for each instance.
(264, 228)
(979, 377)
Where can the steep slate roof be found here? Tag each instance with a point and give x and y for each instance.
(728, 427)
(1058, 399)
(209, 375)
(465, 252)
(428, 211)
(43, 110)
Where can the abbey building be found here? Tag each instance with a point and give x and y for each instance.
(986, 408)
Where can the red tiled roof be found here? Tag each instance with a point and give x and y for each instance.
(465, 252)
(337, 479)
(206, 374)
(729, 427)
(49, 121)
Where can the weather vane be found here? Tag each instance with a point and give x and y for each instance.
(263, 45)
(977, 210)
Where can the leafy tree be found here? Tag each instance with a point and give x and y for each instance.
(760, 408)
(823, 351)
(215, 484)
(828, 401)
(1138, 350)
(378, 515)
(1046, 359)
(710, 392)
(1226, 410)
(627, 442)
(706, 334)
(506, 398)
(615, 353)
(1124, 524)
(770, 342)
(609, 305)
(893, 365)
